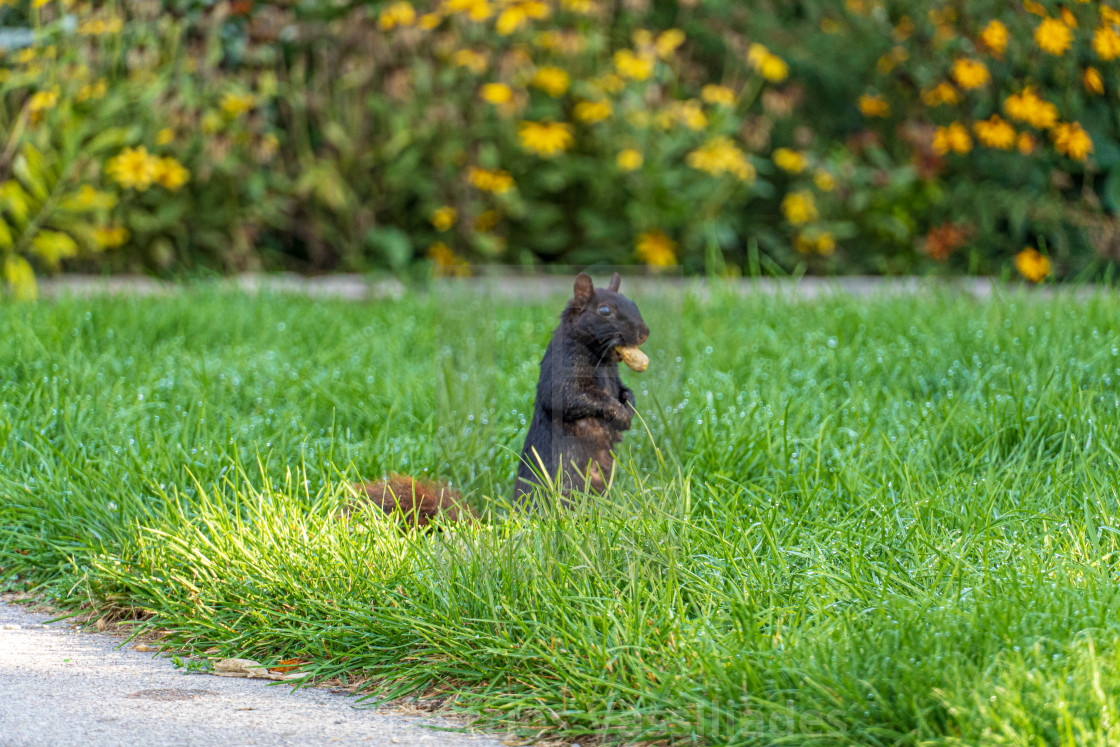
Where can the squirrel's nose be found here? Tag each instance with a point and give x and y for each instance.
(643, 334)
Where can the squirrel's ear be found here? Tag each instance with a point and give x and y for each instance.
(584, 289)
(615, 280)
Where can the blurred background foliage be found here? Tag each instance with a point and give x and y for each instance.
(708, 135)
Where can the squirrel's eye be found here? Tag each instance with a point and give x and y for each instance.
(604, 310)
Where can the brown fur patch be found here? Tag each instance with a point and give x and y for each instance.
(415, 501)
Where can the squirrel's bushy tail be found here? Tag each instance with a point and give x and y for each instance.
(414, 500)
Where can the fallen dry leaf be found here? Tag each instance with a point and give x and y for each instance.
(143, 647)
(287, 665)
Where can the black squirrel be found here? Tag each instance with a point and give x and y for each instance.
(582, 409)
(582, 406)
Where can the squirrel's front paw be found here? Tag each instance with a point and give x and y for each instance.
(621, 415)
(627, 397)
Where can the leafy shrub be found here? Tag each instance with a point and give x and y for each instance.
(861, 136)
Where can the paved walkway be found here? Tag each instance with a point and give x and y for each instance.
(59, 686)
(537, 286)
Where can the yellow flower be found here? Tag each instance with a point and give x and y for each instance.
(236, 104)
(1106, 43)
(170, 174)
(942, 93)
(789, 160)
(892, 59)
(719, 95)
(470, 59)
(496, 93)
(211, 122)
(165, 136)
(552, 80)
(667, 42)
(486, 220)
(591, 112)
(1071, 140)
(479, 10)
(133, 168)
(721, 156)
(1032, 265)
(952, 138)
(970, 73)
(1053, 37)
(510, 20)
(823, 243)
(1025, 143)
(632, 66)
(444, 218)
(656, 249)
(1093, 81)
(1068, 18)
(446, 261)
(397, 14)
(798, 208)
(824, 181)
(546, 139)
(629, 159)
(994, 37)
(1109, 16)
(429, 21)
(873, 106)
(1036, 8)
(689, 113)
(995, 132)
(1027, 106)
(110, 237)
(608, 83)
(773, 68)
(499, 182)
(583, 7)
(40, 102)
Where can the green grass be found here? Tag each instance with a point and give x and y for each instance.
(851, 521)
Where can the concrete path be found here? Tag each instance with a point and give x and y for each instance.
(527, 287)
(59, 686)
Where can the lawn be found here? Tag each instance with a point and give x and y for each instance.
(850, 521)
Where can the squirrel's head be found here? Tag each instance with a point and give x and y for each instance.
(604, 318)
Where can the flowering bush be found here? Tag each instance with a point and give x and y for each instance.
(989, 128)
(828, 135)
(124, 136)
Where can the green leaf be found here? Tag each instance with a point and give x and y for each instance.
(112, 138)
(87, 200)
(393, 244)
(29, 168)
(20, 278)
(53, 247)
(1111, 191)
(16, 201)
(6, 240)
